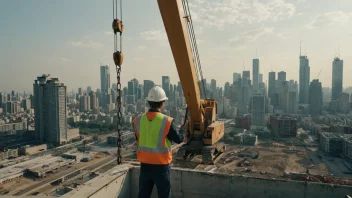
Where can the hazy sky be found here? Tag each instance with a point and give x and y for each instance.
(70, 38)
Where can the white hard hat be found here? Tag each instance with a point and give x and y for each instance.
(156, 94)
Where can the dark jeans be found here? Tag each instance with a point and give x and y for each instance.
(154, 174)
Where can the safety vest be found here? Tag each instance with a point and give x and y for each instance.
(153, 145)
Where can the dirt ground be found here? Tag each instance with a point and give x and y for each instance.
(274, 160)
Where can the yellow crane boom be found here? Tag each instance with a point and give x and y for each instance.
(203, 129)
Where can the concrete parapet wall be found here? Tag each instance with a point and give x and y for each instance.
(194, 184)
(119, 183)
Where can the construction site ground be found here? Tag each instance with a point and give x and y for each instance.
(274, 161)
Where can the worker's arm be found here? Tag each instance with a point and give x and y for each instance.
(174, 135)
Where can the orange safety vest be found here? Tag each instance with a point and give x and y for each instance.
(151, 130)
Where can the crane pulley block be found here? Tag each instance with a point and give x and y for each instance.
(118, 58)
(117, 26)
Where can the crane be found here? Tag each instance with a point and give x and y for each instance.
(202, 129)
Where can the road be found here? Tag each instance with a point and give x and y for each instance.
(61, 174)
(89, 166)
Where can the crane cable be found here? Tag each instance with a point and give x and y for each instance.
(117, 26)
(194, 46)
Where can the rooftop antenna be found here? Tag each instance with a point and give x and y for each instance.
(338, 51)
(300, 48)
(256, 53)
(244, 67)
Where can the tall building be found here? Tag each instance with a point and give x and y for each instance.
(284, 96)
(344, 102)
(84, 103)
(272, 85)
(315, 98)
(255, 74)
(337, 78)
(304, 79)
(260, 78)
(245, 95)
(2, 99)
(131, 88)
(80, 91)
(104, 78)
(236, 77)
(281, 76)
(50, 110)
(246, 77)
(136, 85)
(258, 109)
(26, 104)
(148, 84)
(166, 84)
(213, 88)
(89, 89)
(93, 100)
(292, 102)
(179, 89)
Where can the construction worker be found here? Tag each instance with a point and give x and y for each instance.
(154, 132)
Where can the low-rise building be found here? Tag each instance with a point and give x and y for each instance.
(287, 126)
(331, 143)
(243, 121)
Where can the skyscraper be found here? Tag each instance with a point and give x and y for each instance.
(148, 84)
(315, 98)
(89, 89)
(281, 76)
(93, 100)
(131, 88)
(80, 91)
(260, 78)
(104, 78)
(26, 104)
(304, 78)
(166, 85)
(292, 102)
(136, 86)
(272, 86)
(179, 89)
(84, 103)
(337, 78)
(284, 96)
(50, 110)
(2, 99)
(213, 88)
(258, 109)
(344, 105)
(236, 77)
(246, 77)
(255, 74)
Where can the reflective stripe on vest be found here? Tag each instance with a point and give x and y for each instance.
(153, 145)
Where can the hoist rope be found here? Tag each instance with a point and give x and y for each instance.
(118, 76)
(194, 46)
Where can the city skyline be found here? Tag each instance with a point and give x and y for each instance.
(74, 53)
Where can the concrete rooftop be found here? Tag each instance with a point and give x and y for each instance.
(122, 181)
